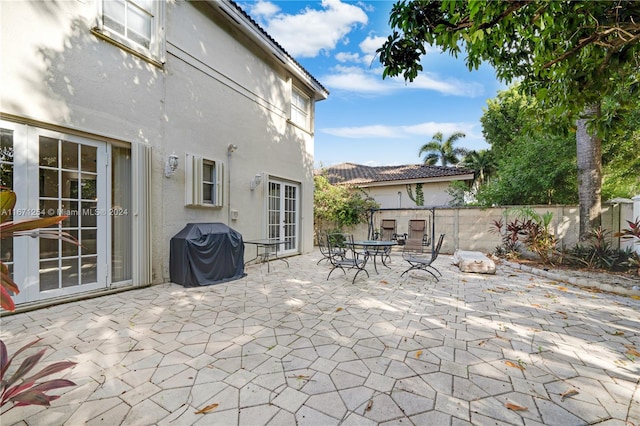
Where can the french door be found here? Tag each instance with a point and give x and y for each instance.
(55, 174)
(283, 217)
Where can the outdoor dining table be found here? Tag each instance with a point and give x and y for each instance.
(375, 248)
(267, 245)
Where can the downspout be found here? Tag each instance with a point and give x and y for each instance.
(230, 149)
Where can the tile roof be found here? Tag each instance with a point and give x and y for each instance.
(350, 173)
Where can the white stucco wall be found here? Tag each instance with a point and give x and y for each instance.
(435, 194)
(213, 91)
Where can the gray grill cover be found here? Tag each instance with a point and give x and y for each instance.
(205, 254)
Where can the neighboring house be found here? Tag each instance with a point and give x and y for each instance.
(100, 98)
(388, 185)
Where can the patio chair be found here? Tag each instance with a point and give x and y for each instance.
(388, 229)
(343, 255)
(419, 259)
(418, 231)
(324, 249)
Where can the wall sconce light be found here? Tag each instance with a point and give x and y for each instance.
(255, 181)
(171, 165)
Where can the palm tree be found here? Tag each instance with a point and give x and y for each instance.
(437, 150)
(482, 163)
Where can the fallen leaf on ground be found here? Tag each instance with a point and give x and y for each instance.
(300, 377)
(535, 305)
(564, 314)
(369, 405)
(515, 407)
(563, 289)
(514, 365)
(633, 352)
(617, 333)
(384, 282)
(418, 354)
(338, 309)
(568, 393)
(207, 409)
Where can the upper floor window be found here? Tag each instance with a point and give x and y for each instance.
(300, 109)
(137, 24)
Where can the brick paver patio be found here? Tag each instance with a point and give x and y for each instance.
(289, 347)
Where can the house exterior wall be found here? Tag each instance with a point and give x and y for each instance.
(435, 194)
(216, 88)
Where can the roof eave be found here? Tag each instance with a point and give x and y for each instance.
(256, 34)
(409, 181)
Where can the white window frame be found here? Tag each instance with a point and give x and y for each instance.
(195, 182)
(156, 14)
(300, 109)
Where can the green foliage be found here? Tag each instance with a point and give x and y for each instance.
(458, 191)
(597, 253)
(22, 390)
(340, 206)
(528, 228)
(419, 197)
(534, 155)
(483, 165)
(443, 151)
(569, 54)
(542, 171)
(621, 160)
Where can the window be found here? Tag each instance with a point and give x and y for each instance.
(136, 24)
(203, 181)
(208, 181)
(300, 104)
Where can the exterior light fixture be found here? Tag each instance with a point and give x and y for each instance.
(171, 165)
(255, 181)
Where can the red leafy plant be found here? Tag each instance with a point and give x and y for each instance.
(21, 390)
(20, 228)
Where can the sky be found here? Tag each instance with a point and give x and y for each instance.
(367, 120)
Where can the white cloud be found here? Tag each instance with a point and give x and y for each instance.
(365, 80)
(371, 44)
(449, 86)
(355, 79)
(379, 131)
(311, 31)
(263, 9)
(347, 57)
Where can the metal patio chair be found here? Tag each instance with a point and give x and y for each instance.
(419, 259)
(350, 259)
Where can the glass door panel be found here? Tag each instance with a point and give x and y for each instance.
(6, 181)
(69, 185)
(283, 214)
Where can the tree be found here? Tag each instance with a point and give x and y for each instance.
(437, 150)
(569, 54)
(483, 165)
(533, 152)
(339, 205)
